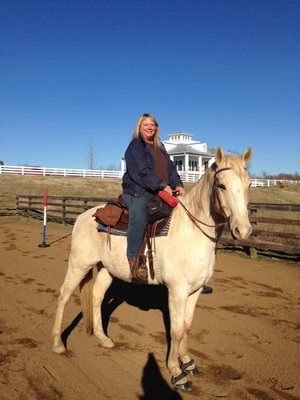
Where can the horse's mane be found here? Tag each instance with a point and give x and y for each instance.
(194, 200)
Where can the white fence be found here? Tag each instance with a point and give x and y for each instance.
(192, 176)
(257, 182)
(33, 171)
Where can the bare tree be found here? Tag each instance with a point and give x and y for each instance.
(91, 156)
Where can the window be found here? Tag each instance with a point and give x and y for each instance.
(193, 166)
(179, 165)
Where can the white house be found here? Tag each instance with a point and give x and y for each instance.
(190, 157)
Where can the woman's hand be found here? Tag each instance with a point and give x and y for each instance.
(180, 191)
(168, 189)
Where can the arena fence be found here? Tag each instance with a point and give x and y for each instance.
(276, 227)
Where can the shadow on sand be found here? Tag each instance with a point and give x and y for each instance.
(145, 298)
(154, 385)
(141, 296)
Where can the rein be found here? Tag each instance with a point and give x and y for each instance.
(193, 218)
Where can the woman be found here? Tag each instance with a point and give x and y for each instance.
(149, 169)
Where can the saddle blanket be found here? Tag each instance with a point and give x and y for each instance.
(113, 231)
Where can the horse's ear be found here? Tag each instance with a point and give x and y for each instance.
(246, 157)
(219, 155)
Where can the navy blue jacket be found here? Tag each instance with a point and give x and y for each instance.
(139, 175)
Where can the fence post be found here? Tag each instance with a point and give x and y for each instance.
(64, 211)
(85, 205)
(252, 250)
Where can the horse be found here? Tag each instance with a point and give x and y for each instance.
(184, 259)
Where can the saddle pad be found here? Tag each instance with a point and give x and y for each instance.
(113, 231)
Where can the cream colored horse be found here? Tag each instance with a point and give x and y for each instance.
(184, 260)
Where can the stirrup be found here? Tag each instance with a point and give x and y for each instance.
(139, 272)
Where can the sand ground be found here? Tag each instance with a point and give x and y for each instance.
(245, 336)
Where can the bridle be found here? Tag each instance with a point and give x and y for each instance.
(220, 211)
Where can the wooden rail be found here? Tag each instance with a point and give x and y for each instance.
(276, 227)
(279, 233)
(59, 208)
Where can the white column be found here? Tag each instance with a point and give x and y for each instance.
(200, 163)
(186, 167)
(186, 162)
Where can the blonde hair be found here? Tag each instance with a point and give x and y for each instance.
(156, 140)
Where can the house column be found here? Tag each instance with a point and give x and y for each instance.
(186, 167)
(186, 162)
(200, 164)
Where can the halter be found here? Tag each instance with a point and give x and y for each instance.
(194, 219)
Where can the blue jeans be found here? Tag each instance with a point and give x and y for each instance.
(138, 220)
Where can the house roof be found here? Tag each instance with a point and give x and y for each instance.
(184, 148)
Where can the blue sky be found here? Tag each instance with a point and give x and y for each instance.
(76, 73)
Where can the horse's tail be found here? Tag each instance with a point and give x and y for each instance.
(86, 298)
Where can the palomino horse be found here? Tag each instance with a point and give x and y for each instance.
(184, 259)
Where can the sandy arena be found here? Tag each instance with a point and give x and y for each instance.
(245, 336)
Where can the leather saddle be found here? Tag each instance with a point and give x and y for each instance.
(113, 218)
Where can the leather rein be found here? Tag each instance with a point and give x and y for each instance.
(194, 219)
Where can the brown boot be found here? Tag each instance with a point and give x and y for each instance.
(138, 270)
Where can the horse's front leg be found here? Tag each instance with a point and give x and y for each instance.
(178, 298)
(187, 364)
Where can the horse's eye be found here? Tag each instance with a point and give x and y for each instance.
(221, 186)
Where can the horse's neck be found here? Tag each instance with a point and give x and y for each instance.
(197, 202)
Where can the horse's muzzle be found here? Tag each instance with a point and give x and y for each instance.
(242, 231)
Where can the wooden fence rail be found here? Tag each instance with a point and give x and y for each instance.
(276, 227)
(59, 208)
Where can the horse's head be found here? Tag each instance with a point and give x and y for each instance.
(231, 187)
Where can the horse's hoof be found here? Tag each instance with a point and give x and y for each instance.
(184, 387)
(107, 343)
(59, 348)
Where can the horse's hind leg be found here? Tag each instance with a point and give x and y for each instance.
(71, 282)
(102, 283)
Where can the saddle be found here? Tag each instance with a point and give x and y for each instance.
(113, 219)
